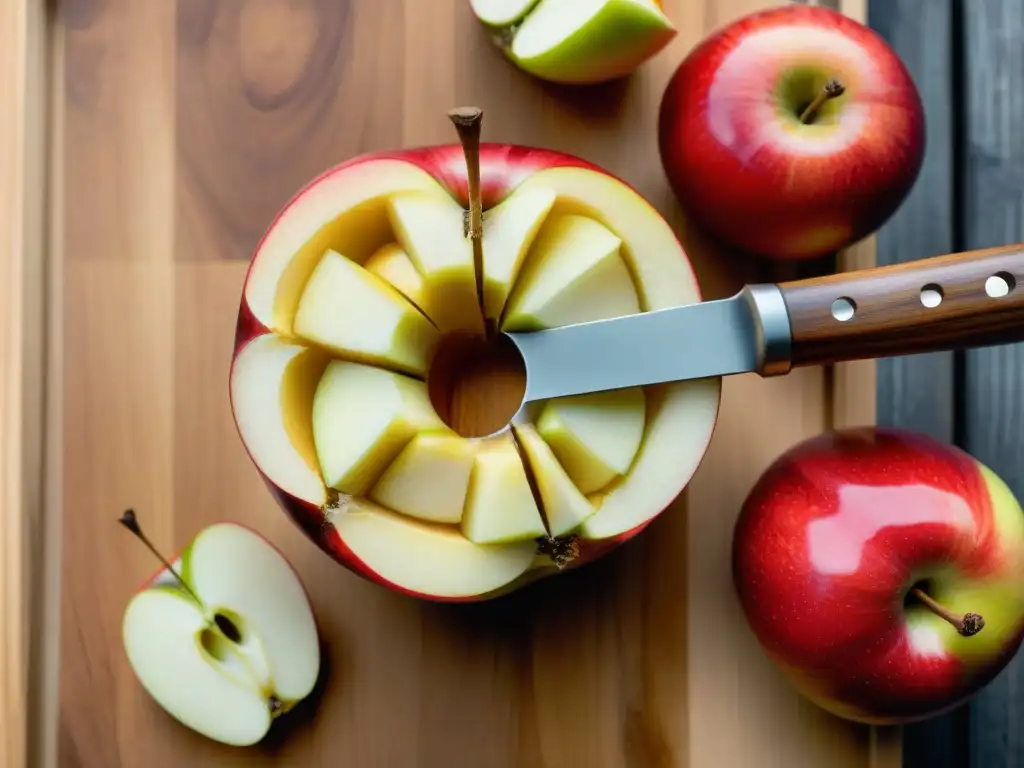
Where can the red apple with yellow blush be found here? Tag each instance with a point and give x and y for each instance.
(792, 132)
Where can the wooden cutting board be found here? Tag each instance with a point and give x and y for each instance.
(181, 126)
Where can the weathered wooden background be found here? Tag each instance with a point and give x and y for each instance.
(967, 57)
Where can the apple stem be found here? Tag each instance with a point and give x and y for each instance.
(967, 624)
(832, 89)
(129, 521)
(468, 122)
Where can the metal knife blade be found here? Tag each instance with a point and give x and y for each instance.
(748, 332)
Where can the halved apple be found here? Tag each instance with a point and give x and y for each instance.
(565, 507)
(245, 653)
(577, 41)
(500, 506)
(391, 263)
(362, 418)
(574, 275)
(429, 478)
(595, 437)
(359, 316)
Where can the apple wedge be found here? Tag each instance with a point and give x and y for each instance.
(565, 508)
(596, 436)
(429, 478)
(358, 316)
(429, 228)
(500, 506)
(509, 231)
(246, 652)
(362, 418)
(577, 41)
(425, 558)
(392, 264)
(574, 274)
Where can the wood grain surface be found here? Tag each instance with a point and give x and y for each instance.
(186, 124)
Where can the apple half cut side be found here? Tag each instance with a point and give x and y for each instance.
(351, 442)
(231, 647)
(577, 42)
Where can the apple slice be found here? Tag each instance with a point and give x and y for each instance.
(574, 274)
(357, 315)
(587, 41)
(425, 558)
(429, 227)
(500, 13)
(391, 263)
(500, 506)
(226, 681)
(429, 479)
(564, 507)
(509, 231)
(362, 418)
(595, 436)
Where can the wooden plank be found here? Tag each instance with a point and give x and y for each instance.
(917, 392)
(993, 209)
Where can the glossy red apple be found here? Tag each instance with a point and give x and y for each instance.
(342, 281)
(792, 132)
(883, 571)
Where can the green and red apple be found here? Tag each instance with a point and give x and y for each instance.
(223, 637)
(792, 132)
(376, 265)
(576, 42)
(883, 571)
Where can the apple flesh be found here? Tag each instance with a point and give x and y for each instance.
(576, 41)
(227, 666)
(749, 168)
(357, 454)
(842, 545)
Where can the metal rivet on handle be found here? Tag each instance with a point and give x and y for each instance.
(843, 309)
(1000, 285)
(931, 295)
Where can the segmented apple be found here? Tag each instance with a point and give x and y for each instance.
(360, 281)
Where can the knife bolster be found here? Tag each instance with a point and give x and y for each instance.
(773, 332)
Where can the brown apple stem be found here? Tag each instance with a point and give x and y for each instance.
(967, 624)
(129, 521)
(832, 89)
(467, 122)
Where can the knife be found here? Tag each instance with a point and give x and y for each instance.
(969, 299)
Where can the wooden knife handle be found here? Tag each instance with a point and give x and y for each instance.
(970, 299)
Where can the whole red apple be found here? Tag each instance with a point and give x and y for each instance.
(373, 267)
(883, 571)
(792, 132)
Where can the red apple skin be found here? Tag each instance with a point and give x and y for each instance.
(503, 167)
(839, 633)
(751, 174)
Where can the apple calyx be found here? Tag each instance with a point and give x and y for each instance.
(833, 89)
(562, 550)
(967, 625)
(467, 121)
(131, 522)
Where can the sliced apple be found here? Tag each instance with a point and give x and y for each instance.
(499, 13)
(429, 227)
(564, 507)
(272, 388)
(426, 558)
(585, 41)
(357, 315)
(595, 436)
(362, 418)
(509, 230)
(226, 685)
(391, 263)
(500, 506)
(429, 479)
(574, 274)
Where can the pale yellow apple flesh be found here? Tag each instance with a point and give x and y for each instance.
(429, 478)
(596, 436)
(227, 687)
(501, 12)
(358, 316)
(565, 507)
(362, 418)
(500, 506)
(599, 467)
(391, 263)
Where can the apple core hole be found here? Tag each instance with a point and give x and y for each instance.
(476, 384)
(229, 625)
(215, 644)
